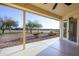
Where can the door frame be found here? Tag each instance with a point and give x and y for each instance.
(67, 38)
(73, 30)
(76, 34)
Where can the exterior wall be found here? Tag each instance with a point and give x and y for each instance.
(78, 31)
(61, 31)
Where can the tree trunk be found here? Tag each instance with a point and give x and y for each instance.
(10, 29)
(3, 31)
(31, 30)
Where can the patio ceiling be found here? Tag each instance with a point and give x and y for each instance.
(61, 9)
(59, 12)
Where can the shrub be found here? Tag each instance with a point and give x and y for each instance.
(51, 33)
(36, 35)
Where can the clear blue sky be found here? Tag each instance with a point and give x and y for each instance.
(17, 15)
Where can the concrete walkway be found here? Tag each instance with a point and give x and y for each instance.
(50, 47)
(32, 49)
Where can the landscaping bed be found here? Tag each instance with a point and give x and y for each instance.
(8, 40)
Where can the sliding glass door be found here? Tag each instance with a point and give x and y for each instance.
(65, 29)
(73, 29)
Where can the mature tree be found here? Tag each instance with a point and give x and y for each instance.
(10, 24)
(2, 25)
(7, 23)
(32, 25)
(37, 25)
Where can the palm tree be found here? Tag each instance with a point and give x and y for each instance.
(32, 25)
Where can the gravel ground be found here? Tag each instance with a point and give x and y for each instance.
(8, 40)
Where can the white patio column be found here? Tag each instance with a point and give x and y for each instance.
(24, 30)
(61, 29)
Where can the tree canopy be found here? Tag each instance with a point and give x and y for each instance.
(30, 25)
(7, 23)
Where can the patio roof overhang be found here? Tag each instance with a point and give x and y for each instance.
(34, 9)
(27, 7)
(31, 8)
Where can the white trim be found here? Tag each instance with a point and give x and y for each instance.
(61, 29)
(66, 31)
(77, 32)
(24, 29)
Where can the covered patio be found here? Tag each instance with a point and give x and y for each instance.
(51, 47)
(64, 45)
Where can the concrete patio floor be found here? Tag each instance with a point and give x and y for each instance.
(50, 47)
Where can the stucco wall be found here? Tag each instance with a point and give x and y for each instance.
(78, 31)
